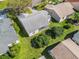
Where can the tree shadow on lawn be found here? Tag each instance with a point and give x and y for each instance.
(22, 31)
(70, 35)
(46, 51)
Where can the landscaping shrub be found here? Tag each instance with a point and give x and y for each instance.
(40, 41)
(75, 16)
(49, 32)
(41, 6)
(14, 50)
(4, 56)
(66, 26)
(55, 31)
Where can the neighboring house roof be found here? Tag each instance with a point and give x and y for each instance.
(76, 37)
(34, 21)
(62, 9)
(75, 3)
(7, 34)
(72, 0)
(65, 50)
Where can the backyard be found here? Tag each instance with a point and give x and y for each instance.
(28, 52)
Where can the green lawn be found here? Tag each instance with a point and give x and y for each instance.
(3, 4)
(28, 52)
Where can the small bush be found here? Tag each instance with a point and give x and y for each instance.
(66, 26)
(55, 31)
(40, 41)
(28, 10)
(14, 50)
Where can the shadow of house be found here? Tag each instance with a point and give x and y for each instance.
(46, 51)
(53, 20)
(22, 31)
(70, 35)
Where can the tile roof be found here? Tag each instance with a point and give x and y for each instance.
(62, 9)
(66, 50)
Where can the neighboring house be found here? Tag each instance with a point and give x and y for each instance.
(35, 2)
(75, 4)
(76, 37)
(7, 34)
(34, 22)
(67, 49)
(61, 11)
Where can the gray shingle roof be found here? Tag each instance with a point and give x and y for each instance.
(67, 49)
(34, 21)
(7, 34)
(76, 37)
(65, 10)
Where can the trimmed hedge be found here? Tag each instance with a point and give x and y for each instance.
(40, 41)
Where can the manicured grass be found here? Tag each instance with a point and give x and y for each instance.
(3, 4)
(28, 52)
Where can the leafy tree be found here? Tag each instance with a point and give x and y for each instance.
(4, 56)
(40, 41)
(18, 6)
(57, 31)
